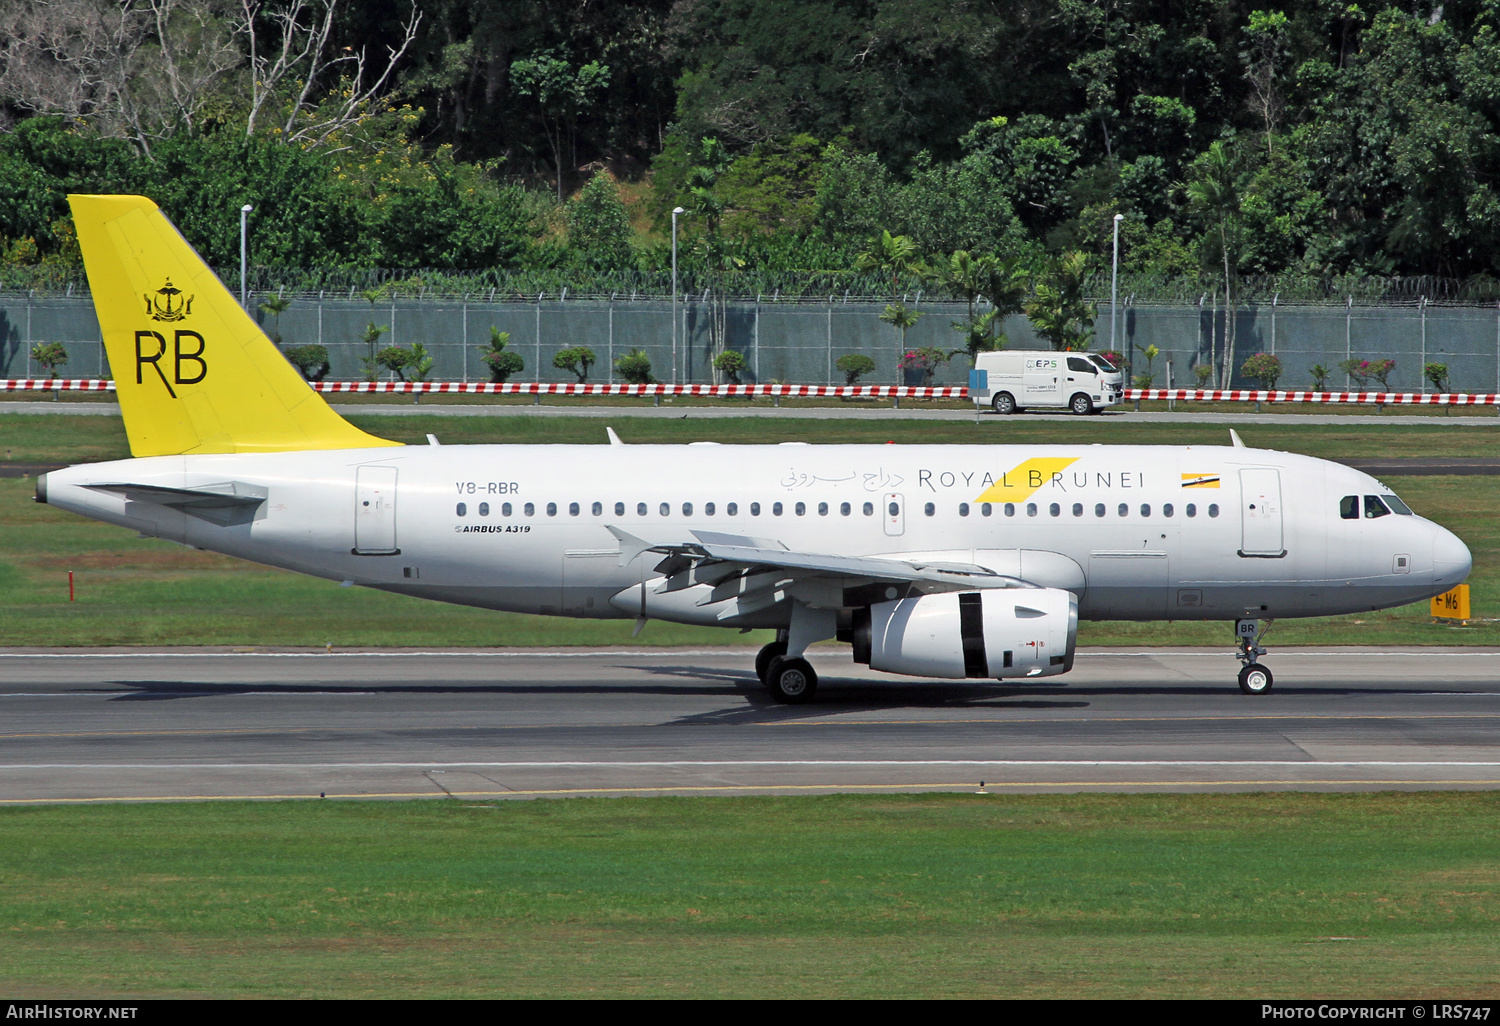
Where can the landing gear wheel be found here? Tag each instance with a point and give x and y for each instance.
(1081, 405)
(765, 655)
(1255, 679)
(1004, 403)
(791, 681)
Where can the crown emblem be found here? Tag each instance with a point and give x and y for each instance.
(167, 304)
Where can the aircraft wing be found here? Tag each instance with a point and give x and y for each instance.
(713, 559)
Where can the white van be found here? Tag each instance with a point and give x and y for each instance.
(1010, 382)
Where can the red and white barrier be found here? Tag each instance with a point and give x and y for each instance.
(806, 391)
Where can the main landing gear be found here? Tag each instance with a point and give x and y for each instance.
(790, 681)
(1255, 679)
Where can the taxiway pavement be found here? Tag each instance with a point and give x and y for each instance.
(477, 726)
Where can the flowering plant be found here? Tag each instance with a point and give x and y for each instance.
(1264, 368)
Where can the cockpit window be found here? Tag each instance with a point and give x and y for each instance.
(1375, 508)
(1349, 507)
(1398, 506)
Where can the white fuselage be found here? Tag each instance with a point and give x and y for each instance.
(1136, 532)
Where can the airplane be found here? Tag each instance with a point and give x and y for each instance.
(963, 562)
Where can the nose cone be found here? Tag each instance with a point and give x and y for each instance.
(1451, 560)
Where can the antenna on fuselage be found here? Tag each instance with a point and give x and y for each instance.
(614, 439)
(1234, 436)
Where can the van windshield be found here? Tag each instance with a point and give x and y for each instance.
(1103, 363)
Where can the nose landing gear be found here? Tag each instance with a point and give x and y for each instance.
(1255, 679)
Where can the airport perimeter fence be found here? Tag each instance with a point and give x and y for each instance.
(800, 340)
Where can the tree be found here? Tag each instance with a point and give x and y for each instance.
(853, 366)
(731, 363)
(310, 360)
(561, 92)
(51, 355)
(599, 231)
(1214, 195)
(275, 306)
(895, 255)
(1058, 310)
(394, 359)
(418, 363)
(371, 360)
(1264, 368)
(1265, 54)
(498, 359)
(902, 319)
(576, 360)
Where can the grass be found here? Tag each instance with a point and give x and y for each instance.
(135, 591)
(1275, 895)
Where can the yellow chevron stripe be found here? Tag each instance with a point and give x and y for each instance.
(1019, 484)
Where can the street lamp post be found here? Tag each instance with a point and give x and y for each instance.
(675, 212)
(1114, 281)
(244, 250)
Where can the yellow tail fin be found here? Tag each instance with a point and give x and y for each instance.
(193, 371)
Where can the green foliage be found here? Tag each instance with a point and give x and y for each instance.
(1058, 310)
(418, 363)
(275, 306)
(1437, 374)
(1264, 368)
(853, 366)
(731, 363)
(1319, 377)
(310, 360)
(394, 359)
(51, 355)
(576, 360)
(1204, 372)
(599, 231)
(635, 367)
(925, 360)
(498, 359)
(371, 338)
(1364, 371)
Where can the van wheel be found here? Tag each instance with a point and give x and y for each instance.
(1082, 405)
(1004, 403)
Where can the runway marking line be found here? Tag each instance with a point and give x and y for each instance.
(724, 763)
(967, 786)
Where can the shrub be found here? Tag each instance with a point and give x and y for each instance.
(1264, 368)
(853, 365)
(51, 355)
(1115, 357)
(635, 367)
(578, 360)
(926, 359)
(1437, 373)
(502, 364)
(1363, 370)
(418, 363)
(311, 360)
(1319, 377)
(1204, 372)
(394, 359)
(731, 363)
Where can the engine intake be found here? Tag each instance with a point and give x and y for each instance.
(995, 633)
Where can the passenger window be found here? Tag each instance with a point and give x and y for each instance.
(929, 509)
(845, 509)
(597, 509)
(1010, 509)
(822, 509)
(1099, 509)
(1192, 510)
(640, 509)
(666, 509)
(732, 509)
(895, 509)
(1213, 509)
(1375, 508)
(1166, 509)
(963, 509)
(463, 509)
(985, 509)
(619, 509)
(708, 509)
(484, 509)
(1080, 366)
(1349, 507)
(755, 509)
(1055, 510)
(1078, 509)
(687, 509)
(505, 509)
(1145, 509)
(801, 509)
(552, 509)
(869, 509)
(1124, 510)
(573, 509)
(1031, 509)
(776, 509)
(529, 509)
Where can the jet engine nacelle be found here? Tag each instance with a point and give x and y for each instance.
(997, 633)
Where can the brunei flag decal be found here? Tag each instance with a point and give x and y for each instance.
(1200, 480)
